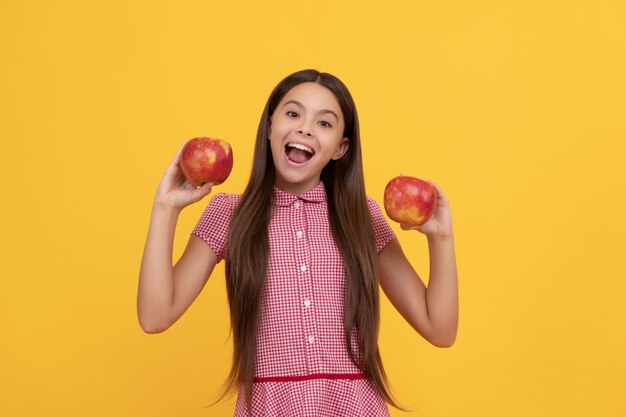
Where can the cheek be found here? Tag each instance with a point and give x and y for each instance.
(333, 140)
(275, 142)
(279, 130)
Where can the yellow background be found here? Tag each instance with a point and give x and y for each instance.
(516, 109)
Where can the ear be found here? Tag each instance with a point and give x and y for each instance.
(341, 150)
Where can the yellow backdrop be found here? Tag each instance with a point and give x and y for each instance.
(516, 109)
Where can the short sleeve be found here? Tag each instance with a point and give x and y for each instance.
(383, 233)
(213, 225)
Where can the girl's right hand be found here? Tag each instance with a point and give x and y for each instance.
(175, 191)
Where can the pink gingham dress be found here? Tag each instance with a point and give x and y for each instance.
(302, 365)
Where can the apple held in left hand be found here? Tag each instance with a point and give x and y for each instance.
(409, 200)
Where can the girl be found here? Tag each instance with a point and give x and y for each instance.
(305, 252)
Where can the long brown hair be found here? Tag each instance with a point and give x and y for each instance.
(248, 249)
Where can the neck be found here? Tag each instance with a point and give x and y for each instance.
(297, 189)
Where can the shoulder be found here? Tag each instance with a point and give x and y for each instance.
(214, 223)
(383, 233)
(374, 207)
(372, 203)
(376, 212)
(220, 208)
(224, 199)
(222, 203)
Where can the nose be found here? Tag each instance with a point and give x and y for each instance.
(304, 130)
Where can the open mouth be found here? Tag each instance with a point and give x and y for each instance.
(298, 153)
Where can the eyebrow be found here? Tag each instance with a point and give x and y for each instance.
(323, 111)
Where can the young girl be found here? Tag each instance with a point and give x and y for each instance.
(305, 253)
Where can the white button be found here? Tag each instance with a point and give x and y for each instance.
(303, 268)
(296, 204)
(307, 303)
(310, 339)
(299, 233)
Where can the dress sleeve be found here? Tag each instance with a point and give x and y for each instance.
(213, 225)
(382, 231)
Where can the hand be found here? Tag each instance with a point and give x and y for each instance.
(440, 223)
(175, 191)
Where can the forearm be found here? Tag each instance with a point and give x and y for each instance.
(442, 298)
(156, 285)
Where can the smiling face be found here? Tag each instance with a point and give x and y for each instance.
(306, 132)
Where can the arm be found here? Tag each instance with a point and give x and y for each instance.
(165, 292)
(432, 311)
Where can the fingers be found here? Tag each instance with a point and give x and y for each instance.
(180, 150)
(434, 185)
(176, 160)
(173, 176)
(199, 193)
(440, 194)
(407, 227)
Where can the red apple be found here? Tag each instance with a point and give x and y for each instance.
(409, 200)
(206, 160)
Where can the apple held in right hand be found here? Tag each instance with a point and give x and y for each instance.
(206, 160)
(410, 201)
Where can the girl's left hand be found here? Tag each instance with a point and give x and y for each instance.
(440, 223)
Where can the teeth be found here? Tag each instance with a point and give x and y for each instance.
(301, 147)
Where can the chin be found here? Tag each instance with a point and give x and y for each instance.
(295, 184)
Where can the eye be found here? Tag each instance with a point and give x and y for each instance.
(292, 114)
(324, 123)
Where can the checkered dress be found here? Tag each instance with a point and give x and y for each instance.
(302, 365)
